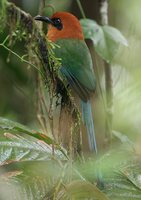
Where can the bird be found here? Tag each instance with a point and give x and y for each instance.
(64, 29)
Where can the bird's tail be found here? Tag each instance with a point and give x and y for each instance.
(88, 122)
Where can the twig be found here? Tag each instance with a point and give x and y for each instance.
(20, 57)
(81, 8)
(40, 105)
(108, 78)
(98, 82)
(41, 7)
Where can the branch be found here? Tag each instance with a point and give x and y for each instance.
(81, 9)
(34, 36)
(16, 14)
(108, 78)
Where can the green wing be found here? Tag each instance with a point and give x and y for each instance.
(77, 66)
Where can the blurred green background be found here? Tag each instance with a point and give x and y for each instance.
(17, 82)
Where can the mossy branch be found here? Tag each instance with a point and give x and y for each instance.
(27, 23)
(37, 41)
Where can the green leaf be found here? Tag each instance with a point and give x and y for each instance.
(115, 35)
(121, 171)
(29, 180)
(17, 142)
(123, 186)
(106, 39)
(9, 125)
(83, 190)
(123, 138)
(29, 167)
(6, 124)
(15, 148)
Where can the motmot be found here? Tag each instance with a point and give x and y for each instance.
(76, 63)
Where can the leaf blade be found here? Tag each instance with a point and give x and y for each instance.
(106, 39)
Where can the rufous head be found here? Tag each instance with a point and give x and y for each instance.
(62, 25)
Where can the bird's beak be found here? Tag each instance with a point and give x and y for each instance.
(44, 19)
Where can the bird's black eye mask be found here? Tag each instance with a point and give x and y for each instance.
(56, 22)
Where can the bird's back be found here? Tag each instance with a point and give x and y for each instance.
(77, 66)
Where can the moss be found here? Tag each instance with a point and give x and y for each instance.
(41, 56)
(2, 15)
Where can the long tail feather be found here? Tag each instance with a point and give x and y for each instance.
(88, 121)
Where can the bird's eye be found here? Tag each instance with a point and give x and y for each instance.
(57, 23)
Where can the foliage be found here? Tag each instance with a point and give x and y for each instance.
(32, 164)
(24, 160)
(34, 169)
(106, 39)
(6, 124)
(82, 190)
